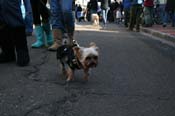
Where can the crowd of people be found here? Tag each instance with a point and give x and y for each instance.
(51, 24)
(132, 12)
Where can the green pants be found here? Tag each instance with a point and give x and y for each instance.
(135, 13)
(127, 16)
(148, 15)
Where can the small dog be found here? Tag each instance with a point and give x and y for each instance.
(76, 57)
(95, 19)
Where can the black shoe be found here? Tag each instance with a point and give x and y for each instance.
(126, 25)
(137, 30)
(6, 58)
(147, 25)
(22, 58)
(164, 25)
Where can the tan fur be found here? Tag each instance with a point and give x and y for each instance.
(95, 19)
(78, 51)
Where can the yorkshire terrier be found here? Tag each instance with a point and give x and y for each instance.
(76, 57)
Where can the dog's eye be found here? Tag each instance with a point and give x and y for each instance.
(88, 58)
(95, 57)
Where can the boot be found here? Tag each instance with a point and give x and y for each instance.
(57, 35)
(22, 54)
(39, 37)
(49, 37)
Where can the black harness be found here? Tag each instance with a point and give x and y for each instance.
(65, 52)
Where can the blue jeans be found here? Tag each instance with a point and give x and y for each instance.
(167, 17)
(62, 15)
(28, 16)
(105, 15)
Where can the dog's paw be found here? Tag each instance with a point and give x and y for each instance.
(86, 78)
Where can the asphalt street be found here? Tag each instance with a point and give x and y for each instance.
(135, 77)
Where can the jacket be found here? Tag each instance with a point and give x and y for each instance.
(104, 4)
(135, 2)
(149, 3)
(126, 4)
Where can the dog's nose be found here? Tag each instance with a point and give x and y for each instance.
(93, 64)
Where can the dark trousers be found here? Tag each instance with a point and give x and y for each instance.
(7, 43)
(12, 31)
(13, 38)
(40, 10)
(127, 16)
(135, 13)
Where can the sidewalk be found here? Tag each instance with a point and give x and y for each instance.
(167, 33)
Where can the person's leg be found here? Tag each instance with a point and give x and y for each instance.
(173, 19)
(138, 20)
(45, 14)
(106, 14)
(151, 13)
(57, 25)
(104, 17)
(16, 32)
(147, 16)
(68, 19)
(39, 33)
(165, 19)
(20, 42)
(7, 45)
(132, 17)
(126, 20)
(28, 17)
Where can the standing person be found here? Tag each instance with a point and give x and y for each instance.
(93, 4)
(62, 21)
(135, 12)
(12, 31)
(105, 8)
(79, 13)
(126, 7)
(41, 17)
(148, 12)
(169, 13)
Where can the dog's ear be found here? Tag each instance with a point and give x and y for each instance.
(92, 44)
(78, 51)
(76, 48)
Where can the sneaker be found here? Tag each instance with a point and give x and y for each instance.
(164, 25)
(129, 29)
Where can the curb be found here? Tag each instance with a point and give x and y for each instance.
(162, 35)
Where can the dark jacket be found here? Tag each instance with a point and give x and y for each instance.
(135, 2)
(10, 13)
(126, 4)
(105, 4)
(170, 5)
(93, 5)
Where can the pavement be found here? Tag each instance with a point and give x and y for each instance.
(167, 33)
(135, 77)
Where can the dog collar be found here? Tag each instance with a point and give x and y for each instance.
(75, 63)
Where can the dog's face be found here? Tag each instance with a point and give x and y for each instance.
(87, 56)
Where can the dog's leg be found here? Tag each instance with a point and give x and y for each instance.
(70, 74)
(86, 74)
(63, 68)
